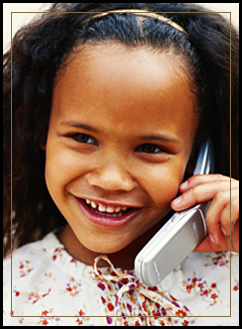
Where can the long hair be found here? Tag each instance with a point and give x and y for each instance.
(41, 48)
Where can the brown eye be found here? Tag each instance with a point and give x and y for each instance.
(83, 138)
(150, 148)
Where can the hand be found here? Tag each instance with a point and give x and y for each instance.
(200, 188)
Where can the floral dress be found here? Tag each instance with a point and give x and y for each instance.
(47, 286)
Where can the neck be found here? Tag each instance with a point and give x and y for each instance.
(122, 259)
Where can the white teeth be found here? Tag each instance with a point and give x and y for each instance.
(93, 204)
(110, 209)
(103, 208)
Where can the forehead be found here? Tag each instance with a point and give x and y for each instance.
(118, 82)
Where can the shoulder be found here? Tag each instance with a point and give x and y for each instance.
(44, 280)
(34, 251)
(26, 266)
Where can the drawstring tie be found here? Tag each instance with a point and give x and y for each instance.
(152, 305)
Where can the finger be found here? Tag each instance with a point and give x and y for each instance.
(224, 245)
(203, 179)
(218, 214)
(235, 238)
(198, 194)
(230, 213)
(207, 246)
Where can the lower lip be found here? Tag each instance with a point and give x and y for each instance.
(108, 221)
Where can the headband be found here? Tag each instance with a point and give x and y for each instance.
(140, 13)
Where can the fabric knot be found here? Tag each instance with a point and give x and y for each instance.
(123, 295)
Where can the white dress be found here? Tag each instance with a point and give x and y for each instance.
(49, 287)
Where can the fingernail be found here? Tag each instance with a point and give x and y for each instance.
(184, 185)
(212, 238)
(224, 232)
(177, 201)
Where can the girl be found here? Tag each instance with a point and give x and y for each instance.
(110, 105)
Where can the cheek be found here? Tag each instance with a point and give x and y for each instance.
(62, 167)
(162, 183)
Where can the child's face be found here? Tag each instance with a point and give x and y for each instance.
(121, 132)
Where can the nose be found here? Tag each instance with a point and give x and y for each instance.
(111, 177)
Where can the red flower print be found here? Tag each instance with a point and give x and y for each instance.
(81, 313)
(110, 307)
(110, 288)
(144, 306)
(137, 323)
(185, 323)
(213, 285)
(173, 298)
(44, 313)
(54, 257)
(126, 324)
(153, 288)
(162, 323)
(21, 266)
(101, 286)
(141, 317)
(17, 293)
(236, 288)
(205, 292)
(214, 296)
(47, 293)
(163, 311)
(189, 288)
(103, 300)
(181, 313)
(69, 289)
(129, 308)
(125, 280)
(45, 322)
(80, 322)
(155, 314)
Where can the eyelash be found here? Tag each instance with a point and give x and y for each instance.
(156, 149)
(77, 138)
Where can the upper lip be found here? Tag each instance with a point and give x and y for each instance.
(110, 203)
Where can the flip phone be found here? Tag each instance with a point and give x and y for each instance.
(179, 236)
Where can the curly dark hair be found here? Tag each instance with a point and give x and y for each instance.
(40, 50)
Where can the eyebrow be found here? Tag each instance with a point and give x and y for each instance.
(160, 137)
(76, 124)
(164, 138)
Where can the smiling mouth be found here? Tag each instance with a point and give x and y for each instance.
(106, 210)
(108, 215)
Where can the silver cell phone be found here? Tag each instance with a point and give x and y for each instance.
(179, 236)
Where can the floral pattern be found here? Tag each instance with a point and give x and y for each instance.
(50, 287)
